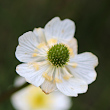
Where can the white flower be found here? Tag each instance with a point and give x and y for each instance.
(50, 59)
(32, 98)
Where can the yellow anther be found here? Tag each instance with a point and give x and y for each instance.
(52, 41)
(36, 66)
(71, 52)
(45, 75)
(34, 54)
(41, 45)
(35, 50)
(74, 65)
(58, 80)
(66, 77)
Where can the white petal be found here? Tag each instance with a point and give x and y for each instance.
(48, 86)
(23, 99)
(86, 62)
(72, 45)
(30, 73)
(73, 86)
(27, 45)
(39, 32)
(61, 30)
(19, 100)
(61, 102)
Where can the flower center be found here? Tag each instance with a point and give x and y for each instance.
(58, 55)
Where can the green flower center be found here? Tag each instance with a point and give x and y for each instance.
(58, 55)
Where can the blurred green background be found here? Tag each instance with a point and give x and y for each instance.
(92, 19)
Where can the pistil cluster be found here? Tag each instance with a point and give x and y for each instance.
(58, 55)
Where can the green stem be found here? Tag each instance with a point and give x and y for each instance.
(6, 95)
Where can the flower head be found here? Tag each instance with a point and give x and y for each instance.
(50, 59)
(32, 98)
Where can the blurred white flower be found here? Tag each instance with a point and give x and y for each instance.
(32, 98)
(50, 59)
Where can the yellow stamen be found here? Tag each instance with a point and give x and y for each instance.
(66, 77)
(45, 75)
(74, 65)
(71, 52)
(52, 41)
(57, 75)
(36, 66)
(41, 45)
(58, 80)
(34, 54)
